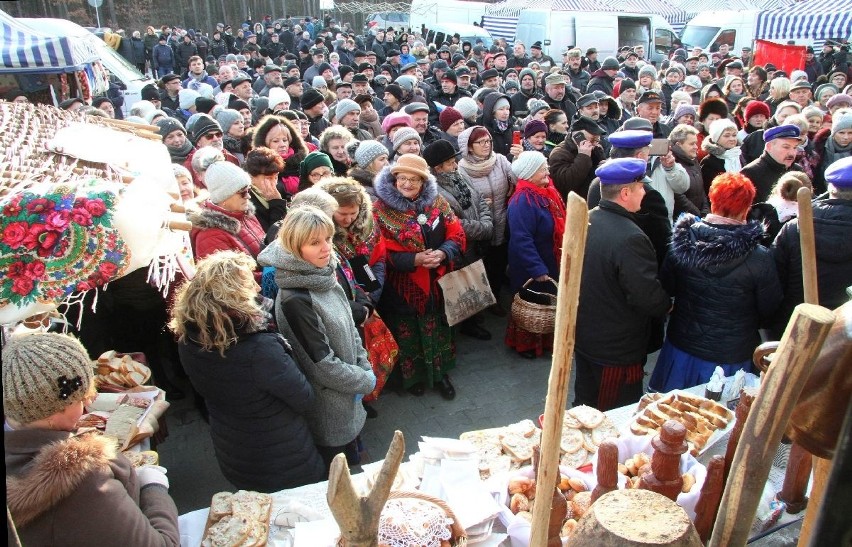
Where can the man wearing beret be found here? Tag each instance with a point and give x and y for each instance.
(573, 162)
(778, 157)
(619, 293)
(832, 230)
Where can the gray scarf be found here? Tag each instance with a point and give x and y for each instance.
(834, 151)
(291, 272)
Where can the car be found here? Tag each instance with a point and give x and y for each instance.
(385, 19)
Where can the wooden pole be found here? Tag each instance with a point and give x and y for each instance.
(767, 421)
(571, 269)
(808, 244)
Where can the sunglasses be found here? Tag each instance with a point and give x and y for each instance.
(245, 192)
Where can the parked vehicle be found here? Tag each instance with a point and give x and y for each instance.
(428, 13)
(559, 30)
(385, 19)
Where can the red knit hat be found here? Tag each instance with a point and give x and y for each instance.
(756, 107)
(448, 117)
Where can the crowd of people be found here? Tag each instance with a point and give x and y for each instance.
(332, 179)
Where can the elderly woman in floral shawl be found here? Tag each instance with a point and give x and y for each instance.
(423, 238)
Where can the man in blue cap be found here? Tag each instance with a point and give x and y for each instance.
(778, 157)
(619, 293)
(653, 215)
(833, 234)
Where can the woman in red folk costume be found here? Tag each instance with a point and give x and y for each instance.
(423, 238)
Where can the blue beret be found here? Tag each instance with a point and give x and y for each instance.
(781, 132)
(839, 173)
(632, 138)
(621, 171)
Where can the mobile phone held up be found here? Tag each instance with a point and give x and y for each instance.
(578, 137)
(516, 137)
(659, 147)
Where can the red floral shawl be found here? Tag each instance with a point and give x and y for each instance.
(401, 233)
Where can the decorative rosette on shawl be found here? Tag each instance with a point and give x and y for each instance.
(57, 242)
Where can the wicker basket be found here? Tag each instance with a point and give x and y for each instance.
(459, 535)
(532, 317)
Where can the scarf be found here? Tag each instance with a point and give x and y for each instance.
(291, 272)
(710, 218)
(180, 153)
(834, 151)
(502, 126)
(527, 145)
(547, 197)
(476, 167)
(733, 164)
(457, 187)
(555, 139)
(232, 144)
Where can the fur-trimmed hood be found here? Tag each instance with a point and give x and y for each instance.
(362, 228)
(387, 192)
(712, 148)
(714, 248)
(488, 109)
(55, 473)
(361, 176)
(614, 110)
(211, 215)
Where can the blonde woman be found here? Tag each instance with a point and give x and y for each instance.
(314, 314)
(256, 395)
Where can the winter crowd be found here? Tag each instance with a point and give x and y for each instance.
(333, 179)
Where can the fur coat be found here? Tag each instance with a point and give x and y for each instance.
(77, 490)
(215, 229)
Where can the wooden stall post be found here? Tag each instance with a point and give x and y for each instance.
(571, 269)
(358, 516)
(767, 421)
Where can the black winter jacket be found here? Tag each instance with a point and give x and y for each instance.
(764, 172)
(724, 285)
(694, 200)
(619, 292)
(502, 138)
(256, 396)
(833, 231)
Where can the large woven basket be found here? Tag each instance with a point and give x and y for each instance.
(459, 535)
(533, 317)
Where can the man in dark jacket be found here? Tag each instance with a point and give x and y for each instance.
(649, 106)
(218, 46)
(832, 227)
(573, 162)
(572, 59)
(162, 58)
(619, 295)
(556, 95)
(528, 91)
(137, 51)
(777, 158)
(604, 78)
(184, 52)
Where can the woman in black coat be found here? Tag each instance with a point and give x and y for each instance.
(725, 287)
(256, 394)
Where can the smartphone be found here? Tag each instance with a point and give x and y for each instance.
(516, 137)
(578, 137)
(660, 147)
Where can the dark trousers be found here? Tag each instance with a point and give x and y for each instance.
(351, 450)
(606, 386)
(496, 261)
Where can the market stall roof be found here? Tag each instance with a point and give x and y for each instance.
(814, 19)
(24, 49)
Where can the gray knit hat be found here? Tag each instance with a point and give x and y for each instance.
(536, 105)
(186, 98)
(43, 374)
(527, 163)
(344, 107)
(405, 134)
(841, 121)
(368, 151)
(227, 117)
(467, 108)
(224, 179)
(168, 125)
(648, 70)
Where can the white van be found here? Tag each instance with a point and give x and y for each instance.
(559, 30)
(428, 13)
(441, 32)
(710, 29)
(117, 65)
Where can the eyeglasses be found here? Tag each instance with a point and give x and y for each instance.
(319, 174)
(483, 142)
(245, 192)
(409, 180)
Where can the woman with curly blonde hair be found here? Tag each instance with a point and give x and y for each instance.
(256, 395)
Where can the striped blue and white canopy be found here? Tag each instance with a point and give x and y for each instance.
(23, 49)
(814, 19)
